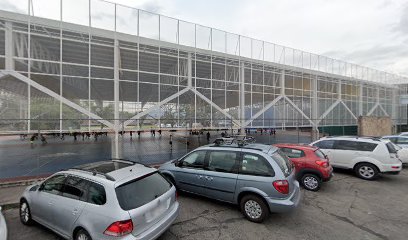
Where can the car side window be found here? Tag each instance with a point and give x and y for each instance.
(347, 145)
(223, 161)
(75, 188)
(402, 141)
(293, 153)
(253, 164)
(53, 185)
(96, 194)
(194, 160)
(325, 144)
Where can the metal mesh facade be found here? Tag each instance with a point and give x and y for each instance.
(97, 65)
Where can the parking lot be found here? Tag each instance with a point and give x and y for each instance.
(344, 208)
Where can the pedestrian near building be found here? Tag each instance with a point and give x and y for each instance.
(208, 136)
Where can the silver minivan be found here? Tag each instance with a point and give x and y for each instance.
(104, 200)
(257, 177)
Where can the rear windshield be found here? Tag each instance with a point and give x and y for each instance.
(283, 161)
(137, 193)
(320, 154)
(391, 148)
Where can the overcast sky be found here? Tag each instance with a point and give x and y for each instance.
(371, 33)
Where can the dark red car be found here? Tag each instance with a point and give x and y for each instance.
(312, 166)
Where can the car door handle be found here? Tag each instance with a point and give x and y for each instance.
(209, 178)
(199, 176)
(50, 203)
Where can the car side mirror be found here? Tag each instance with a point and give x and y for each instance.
(179, 163)
(41, 187)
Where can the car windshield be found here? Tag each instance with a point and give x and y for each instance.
(283, 161)
(138, 192)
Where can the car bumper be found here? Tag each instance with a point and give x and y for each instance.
(328, 174)
(391, 168)
(158, 229)
(285, 205)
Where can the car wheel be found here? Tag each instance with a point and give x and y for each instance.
(311, 182)
(25, 213)
(82, 235)
(254, 208)
(366, 171)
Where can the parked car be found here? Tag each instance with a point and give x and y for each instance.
(368, 157)
(401, 145)
(312, 165)
(403, 134)
(3, 227)
(257, 177)
(401, 141)
(103, 200)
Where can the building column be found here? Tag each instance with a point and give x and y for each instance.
(116, 53)
(282, 93)
(315, 110)
(9, 46)
(360, 100)
(242, 96)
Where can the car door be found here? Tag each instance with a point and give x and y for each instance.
(190, 172)
(69, 204)
(44, 198)
(346, 152)
(221, 174)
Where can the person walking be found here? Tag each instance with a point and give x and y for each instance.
(208, 136)
(43, 139)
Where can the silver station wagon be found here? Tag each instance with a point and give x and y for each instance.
(257, 177)
(104, 200)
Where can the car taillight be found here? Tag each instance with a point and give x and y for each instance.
(119, 228)
(281, 186)
(322, 163)
(176, 195)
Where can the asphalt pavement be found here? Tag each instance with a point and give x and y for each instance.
(344, 208)
(21, 159)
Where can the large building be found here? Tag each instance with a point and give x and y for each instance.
(87, 64)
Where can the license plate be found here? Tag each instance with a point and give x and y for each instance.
(160, 208)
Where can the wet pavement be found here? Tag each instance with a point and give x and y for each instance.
(19, 158)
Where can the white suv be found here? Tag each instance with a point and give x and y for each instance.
(366, 156)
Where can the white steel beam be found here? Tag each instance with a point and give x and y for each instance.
(9, 46)
(373, 109)
(348, 109)
(385, 112)
(328, 110)
(215, 106)
(259, 113)
(57, 96)
(299, 110)
(242, 96)
(141, 114)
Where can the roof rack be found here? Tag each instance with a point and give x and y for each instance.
(94, 172)
(234, 140)
(122, 160)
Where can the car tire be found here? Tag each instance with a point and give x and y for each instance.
(311, 182)
(82, 235)
(25, 213)
(254, 208)
(366, 171)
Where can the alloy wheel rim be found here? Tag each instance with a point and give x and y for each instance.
(82, 237)
(311, 182)
(253, 209)
(24, 214)
(366, 171)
